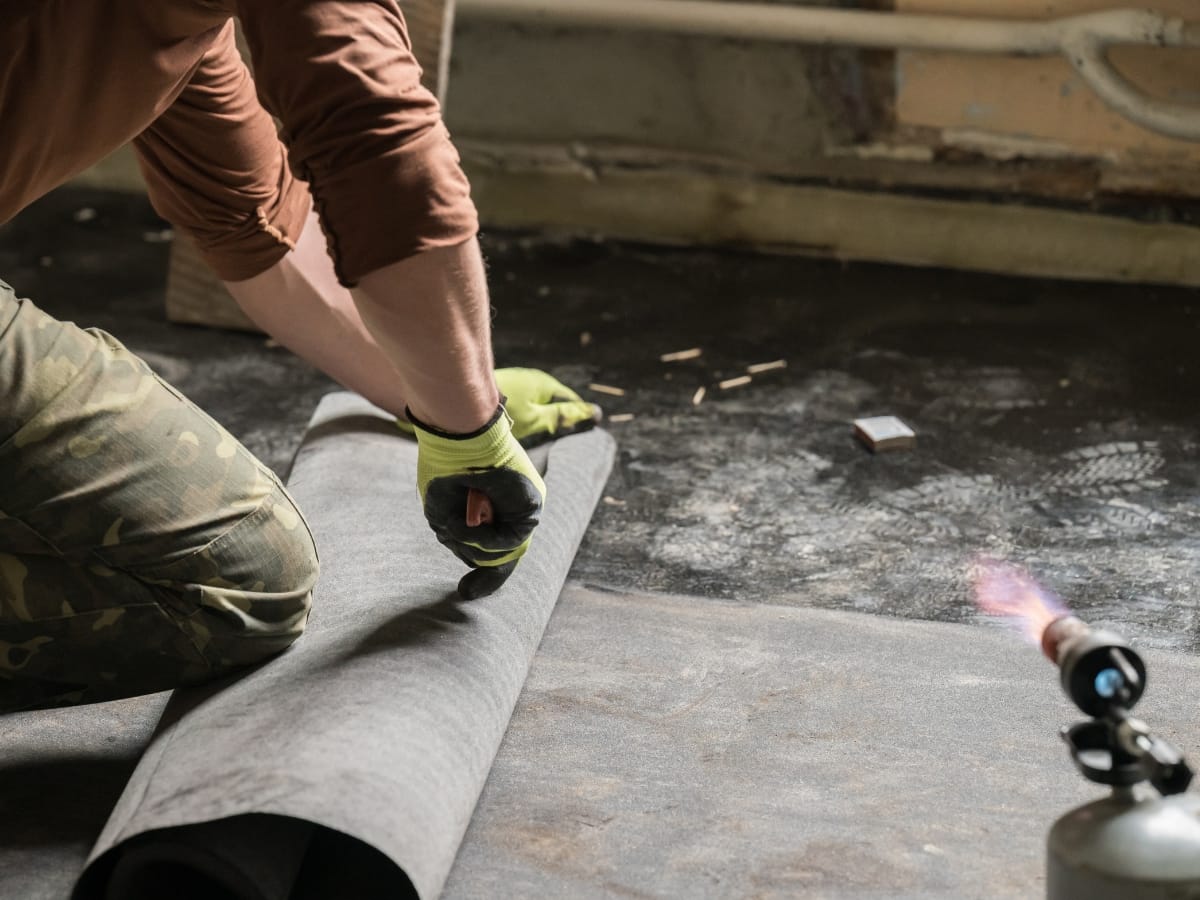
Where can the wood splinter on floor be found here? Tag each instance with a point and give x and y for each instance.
(699, 395)
(621, 417)
(613, 501)
(740, 381)
(759, 368)
(681, 355)
(881, 433)
(607, 389)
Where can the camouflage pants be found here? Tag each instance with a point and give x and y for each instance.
(141, 546)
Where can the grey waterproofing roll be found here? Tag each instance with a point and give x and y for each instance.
(357, 754)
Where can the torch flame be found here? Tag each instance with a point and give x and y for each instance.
(1002, 589)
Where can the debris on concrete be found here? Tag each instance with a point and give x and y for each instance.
(162, 236)
(880, 433)
(698, 397)
(681, 355)
(759, 368)
(613, 501)
(621, 417)
(585, 338)
(84, 214)
(607, 389)
(740, 381)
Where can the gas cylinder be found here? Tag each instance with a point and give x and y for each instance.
(1132, 845)
(1142, 842)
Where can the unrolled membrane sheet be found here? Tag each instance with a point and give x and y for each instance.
(350, 765)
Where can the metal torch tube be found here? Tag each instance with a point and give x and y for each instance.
(1059, 633)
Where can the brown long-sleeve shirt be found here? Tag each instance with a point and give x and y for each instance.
(79, 78)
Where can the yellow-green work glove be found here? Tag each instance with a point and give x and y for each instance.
(541, 407)
(490, 461)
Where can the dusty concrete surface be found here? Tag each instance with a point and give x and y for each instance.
(740, 740)
(1056, 422)
(669, 747)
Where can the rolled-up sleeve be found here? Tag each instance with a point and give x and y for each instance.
(360, 128)
(215, 168)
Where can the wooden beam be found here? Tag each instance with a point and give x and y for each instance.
(679, 207)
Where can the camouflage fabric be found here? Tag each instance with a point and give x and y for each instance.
(141, 546)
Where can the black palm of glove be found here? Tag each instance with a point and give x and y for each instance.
(492, 462)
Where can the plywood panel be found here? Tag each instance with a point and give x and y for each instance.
(1044, 99)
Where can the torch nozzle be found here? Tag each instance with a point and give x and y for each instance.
(1059, 632)
(1100, 672)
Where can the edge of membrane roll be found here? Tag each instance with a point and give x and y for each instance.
(357, 756)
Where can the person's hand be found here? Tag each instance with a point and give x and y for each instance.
(453, 471)
(541, 407)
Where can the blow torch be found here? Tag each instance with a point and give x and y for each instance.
(1142, 842)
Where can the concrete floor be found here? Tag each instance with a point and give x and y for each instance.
(1057, 422)
(689, 735)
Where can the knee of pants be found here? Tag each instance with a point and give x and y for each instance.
(247, 595)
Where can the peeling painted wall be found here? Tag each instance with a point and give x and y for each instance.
(1043, 100)
(765, 105)
(775, 108)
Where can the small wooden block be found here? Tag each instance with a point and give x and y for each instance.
(884, 433)
(681, 355)
(607, 389)
(196, 296)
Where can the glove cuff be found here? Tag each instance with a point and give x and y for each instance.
(486, 443)
(451, 436)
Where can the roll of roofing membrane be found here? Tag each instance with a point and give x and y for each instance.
(350, 765)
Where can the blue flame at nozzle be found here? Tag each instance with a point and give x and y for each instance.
(1108, 682)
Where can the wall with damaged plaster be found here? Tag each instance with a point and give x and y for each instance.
(763, 105)
(1040, 107)
(778, 109)
(854, 154)
(787, 109)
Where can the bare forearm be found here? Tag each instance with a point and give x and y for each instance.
(299, 302)
(430, 315)
(415, 333)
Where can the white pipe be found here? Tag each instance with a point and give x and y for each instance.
(1083, 39)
